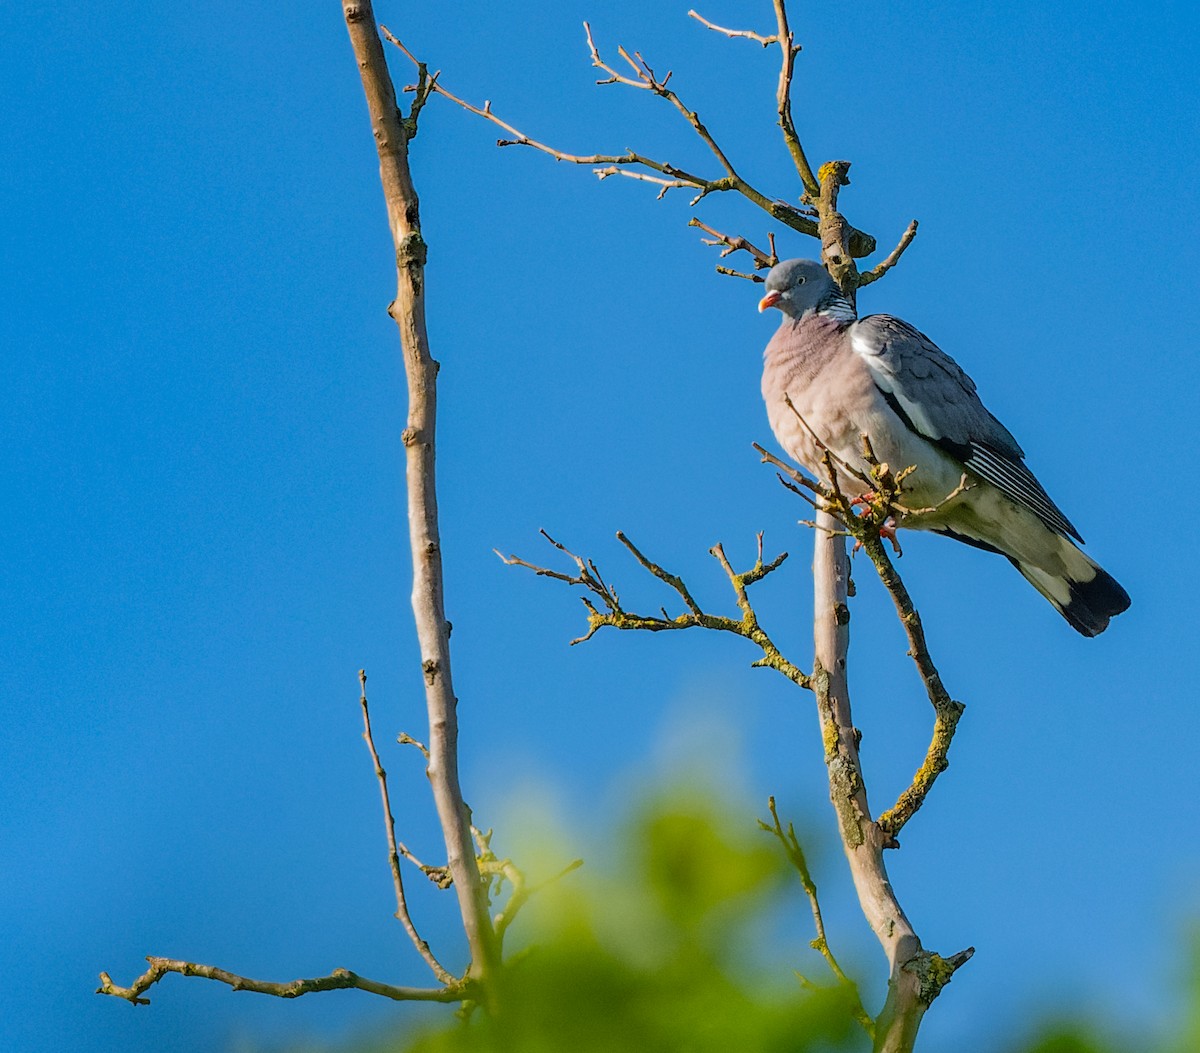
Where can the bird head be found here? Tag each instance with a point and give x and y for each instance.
(801, 287)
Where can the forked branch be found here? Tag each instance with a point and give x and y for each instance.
(886, 501)
(612, 613)
(637, 165)
(736, 243)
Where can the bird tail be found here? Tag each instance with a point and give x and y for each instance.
(1086, 594)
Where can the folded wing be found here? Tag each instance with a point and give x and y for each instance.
(933, 396)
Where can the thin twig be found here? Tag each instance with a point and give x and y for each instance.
(406, 739)
(893, 257)
(521, 893)
(736, 243)
(795, 853)
(402, 913)
(673, 580)
(339, 979)
(783, 100)
(799, 479)
(741, 274)
(964, 484)
(614, 615)
(646, 177)
(733, 33)
(668, 175)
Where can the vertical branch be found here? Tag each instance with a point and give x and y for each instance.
(862, 838)
(833, 229)
(909, 995)
(915, 975)
(787, 45)
(408, 310)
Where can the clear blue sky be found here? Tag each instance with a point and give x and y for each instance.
(202, 522)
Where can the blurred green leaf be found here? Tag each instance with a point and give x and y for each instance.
(659, 953)
(643, 959)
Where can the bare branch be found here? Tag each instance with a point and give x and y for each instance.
(402, 913)
(419, 438)
(616, 616)
(339, 979)
(783, 95)
(647, 80)
(783, 101)
(645, 177)
(669, 175)
(733, 33)
(736, 243)
(893, 257)
(730, 272)
(673, 580)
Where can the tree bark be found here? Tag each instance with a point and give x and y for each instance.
(862, 838)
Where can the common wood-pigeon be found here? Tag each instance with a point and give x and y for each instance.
(878, 376)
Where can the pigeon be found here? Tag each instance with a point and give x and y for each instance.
(846, 377)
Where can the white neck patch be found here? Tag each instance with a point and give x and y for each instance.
(838, 308)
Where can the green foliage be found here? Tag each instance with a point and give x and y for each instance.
(1068, 1039)
(661, 951)
(655, 959)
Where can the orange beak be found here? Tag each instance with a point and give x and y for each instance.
(770, 300)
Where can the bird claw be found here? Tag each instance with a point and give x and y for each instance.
(887, 531)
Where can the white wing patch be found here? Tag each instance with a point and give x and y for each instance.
(886, 381)
(987, 459)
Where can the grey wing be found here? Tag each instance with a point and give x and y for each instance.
(933, 396)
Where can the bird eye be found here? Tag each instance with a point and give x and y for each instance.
(801, 281)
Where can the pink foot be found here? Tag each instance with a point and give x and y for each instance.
(888, 533)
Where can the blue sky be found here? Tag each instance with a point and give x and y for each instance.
(204, 493)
